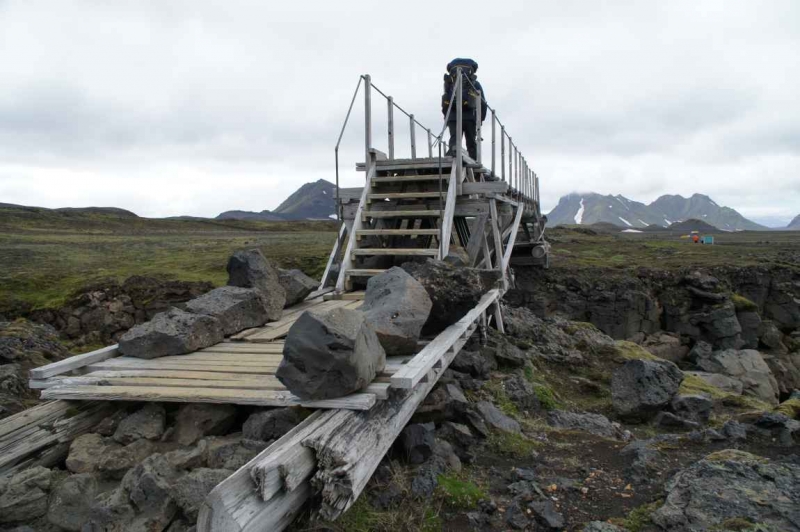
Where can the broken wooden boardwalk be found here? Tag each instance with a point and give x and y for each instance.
(239, 371)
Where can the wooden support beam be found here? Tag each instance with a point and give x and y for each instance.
(512, 238)
(498, 242)
(476, 238)
(334, 254)
(73, 363)
(449, 212)
(347, 261)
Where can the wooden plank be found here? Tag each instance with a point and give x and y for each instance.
(512, 238)
(235, 504)
(476, 238)
(337, 246)
(72, 363)
(363, 272)
(185, 362)
(154, 365)
(347, 260)
(411, 178)
(403, 252)
(178, 374)
(498, 242)
(380, 196)
(412, 372)
(449, 212)
(348, 296)
(356, 401)
(397, 232)
(490, 187)
(422, 213)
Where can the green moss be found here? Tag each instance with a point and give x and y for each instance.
(362, 517)
(746, 402)
(639, 519)
(735, 455)
(736, 524)
(500, 398)
(512, 444)
(694, 385)
(790, 408)
(632, 351)
(742, 304)
(459, 493)
(576, 326)
(547, 398)
(528, 372)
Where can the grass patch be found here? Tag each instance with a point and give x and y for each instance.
(547, 398)
(694, 385)
(363, 517)
(459, 493)
(735, 455)
(790, 408)
(512, 444)
(632, 351)
(576, 326)
(742, 304)
(500, 398)
(639, 518)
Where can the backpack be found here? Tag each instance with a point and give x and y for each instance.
(468, 69)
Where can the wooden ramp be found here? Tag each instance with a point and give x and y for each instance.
(239, 371)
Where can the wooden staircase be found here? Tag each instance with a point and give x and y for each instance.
(405, 212)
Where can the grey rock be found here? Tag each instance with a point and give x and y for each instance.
(723, 382)
(593, 423)
(640, 388)
(671, 421)
(231, 452)
(191, 489)
(234, 307)
(330, 355)
(515, 517)
(509, 355)
(148, 422)
(445, 451)
(693, 407)
(188, 458)
(474, 363)
(114, 463)
(417, 442)
(453, 291)
(112, 511)
(427, 478)
(196, 420)
(750, 322)
(521, 392)
(732, 484)
(445, 402)
(25, 495)
(71, 501)
(667, 346)
(296, 285)
(601, 526)
(271, 424)
(249, 269)
(86, 451)
(734, 430)
(748, 367)
(497, 419)
(460, 437)
(785, 367)
(771, 336)
(546, 514)
(397, 307)
(174, 332)
(109, 425)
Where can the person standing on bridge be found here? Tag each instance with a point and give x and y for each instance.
(469, 87)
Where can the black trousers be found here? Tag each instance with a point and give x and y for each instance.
(469, 130)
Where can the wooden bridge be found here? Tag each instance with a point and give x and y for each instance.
(445, 207)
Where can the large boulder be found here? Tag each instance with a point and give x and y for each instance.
(250, 269)
(453, 291)
(750, 322)
(236, 308)
(640, 388)
(330, 354)
(23, 497)
(71, 501)
(268, 425)
(592, 423)
(86, 452)
(729, 487)
(191, 489)
(747, 366)
(146, 423)
(397, 306)
(296, 285)
(174, 332)
(717, 380)
(496, 419)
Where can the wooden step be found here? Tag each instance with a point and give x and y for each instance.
(402, 252)
(411, 179)
(362, 273)
(405, 195)
(401, 214)
(395, 232)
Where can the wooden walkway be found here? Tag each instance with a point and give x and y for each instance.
(240, 370)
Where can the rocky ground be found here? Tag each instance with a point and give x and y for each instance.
(621, 398)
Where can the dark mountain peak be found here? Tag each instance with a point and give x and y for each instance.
(794, 224)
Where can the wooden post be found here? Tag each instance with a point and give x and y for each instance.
(430, 144)
(413, 137)
(390, 102)
(367, 122)
(498, 241)
(493, 143)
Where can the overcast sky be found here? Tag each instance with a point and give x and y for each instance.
(197, 107)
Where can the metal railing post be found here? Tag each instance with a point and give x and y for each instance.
(367, 122)
(510, 158)
(412, 127)
(493, 143)
(459, 125)
(390, 102)
(478, 127)
(503, 153)
(430, 144)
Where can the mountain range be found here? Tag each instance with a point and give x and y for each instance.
(312, 201)
(794, 224)
(592, 208)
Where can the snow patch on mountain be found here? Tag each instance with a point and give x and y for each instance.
(579, 214)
